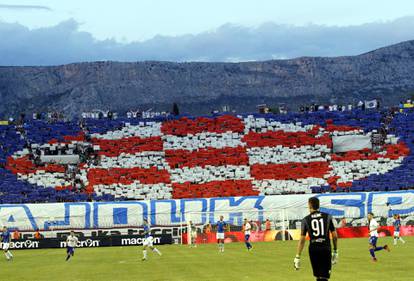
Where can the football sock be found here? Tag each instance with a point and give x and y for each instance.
(372, 252)
(157, 251)
(378, 249)
(144, 254)
(402, 240)
(8, 255)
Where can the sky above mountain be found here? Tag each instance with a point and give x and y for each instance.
(49, 32)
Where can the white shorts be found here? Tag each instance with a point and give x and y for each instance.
(5, 246)
(149, 241)
(396, 233)
(219, 235)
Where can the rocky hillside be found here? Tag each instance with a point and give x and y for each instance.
(198, 87)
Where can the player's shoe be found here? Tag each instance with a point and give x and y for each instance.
(144, 259)
(387, 248)
(374, 259)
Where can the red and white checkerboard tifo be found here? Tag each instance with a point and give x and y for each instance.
(212, 157)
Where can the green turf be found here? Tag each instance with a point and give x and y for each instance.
(267, 261)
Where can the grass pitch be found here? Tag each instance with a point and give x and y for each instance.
(267, 261)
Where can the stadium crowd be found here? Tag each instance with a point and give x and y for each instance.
(180, 157)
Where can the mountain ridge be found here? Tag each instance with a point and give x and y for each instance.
(198, 87)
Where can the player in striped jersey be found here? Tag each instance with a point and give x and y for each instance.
(71, 243)
(192, 234)
(373, 237)
(148, 241)
(397, 225)
(247, 228)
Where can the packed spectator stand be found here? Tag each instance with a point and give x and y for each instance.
(191, 157)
